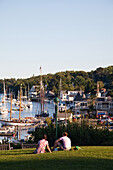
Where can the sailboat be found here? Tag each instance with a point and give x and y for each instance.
(43, 113)
(4, 110)
(29, 103)
(17, 122)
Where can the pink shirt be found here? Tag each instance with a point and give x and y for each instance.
(41, 146)
(66, 142)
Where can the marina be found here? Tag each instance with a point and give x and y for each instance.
(27, 113)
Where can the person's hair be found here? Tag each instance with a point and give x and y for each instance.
(45, 136)
(65, 134)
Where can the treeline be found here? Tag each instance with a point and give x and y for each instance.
(80, 135)
(70, 80)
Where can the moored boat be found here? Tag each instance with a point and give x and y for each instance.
(17, 122)
(3, 109)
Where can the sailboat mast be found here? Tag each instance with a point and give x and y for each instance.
(60, 87)
(11, 108)
(20, 101)
(18, 95)
(28, 92)
(41, 92)
(4, 93)
(43, 99)
(25, 92)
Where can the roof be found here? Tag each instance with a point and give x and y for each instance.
(64, 115)
(78, 97)
(106, 99)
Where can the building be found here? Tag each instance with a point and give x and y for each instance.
(80, 104)
(68, 95)
(104, 104)
(49, 95)
(34, 91)
(64, 116)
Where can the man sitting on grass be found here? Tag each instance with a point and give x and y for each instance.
(42, 144)
(66, 142)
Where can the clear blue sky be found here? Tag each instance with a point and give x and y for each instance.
(58, 35)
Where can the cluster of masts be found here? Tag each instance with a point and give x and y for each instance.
(17, 103)
(19, 123)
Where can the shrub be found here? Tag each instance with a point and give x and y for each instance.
(79, 135)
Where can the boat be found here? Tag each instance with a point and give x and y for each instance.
(6, 134)
(29, 102)
(17, 122)
(4, 110)
(6, 131)
(43, 113)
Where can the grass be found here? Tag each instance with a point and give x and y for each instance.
(89, 158)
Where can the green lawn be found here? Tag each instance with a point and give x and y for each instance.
(89, 158)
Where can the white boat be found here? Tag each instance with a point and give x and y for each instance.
(7, 129)
(29, 104)
(3, 130)
(14, 123)
(4, 110)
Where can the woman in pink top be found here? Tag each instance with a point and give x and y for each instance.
(42, 144)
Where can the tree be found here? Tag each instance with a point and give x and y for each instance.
(48, 120)
(101, 84)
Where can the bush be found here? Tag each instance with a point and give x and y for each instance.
(15, 146)
(79, 135)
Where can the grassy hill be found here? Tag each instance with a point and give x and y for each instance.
(89, 158)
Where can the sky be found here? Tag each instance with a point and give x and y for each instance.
(57, 35)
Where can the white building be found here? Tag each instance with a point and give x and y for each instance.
(104, 104)
(33, 91)
(68, 95)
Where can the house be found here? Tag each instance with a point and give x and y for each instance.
(63, 95)
(64, 116)
(68, 95)
(80, 104)
(34, 91)
(104, 104)
(49, 95)
(70, 98)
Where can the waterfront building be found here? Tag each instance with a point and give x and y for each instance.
(34, 91)
(104, 104)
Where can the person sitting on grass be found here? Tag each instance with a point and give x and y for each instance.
(66, 142)
(42, 144)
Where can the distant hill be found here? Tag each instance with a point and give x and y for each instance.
(70, 80)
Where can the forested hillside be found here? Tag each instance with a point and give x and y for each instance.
(70, 80)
